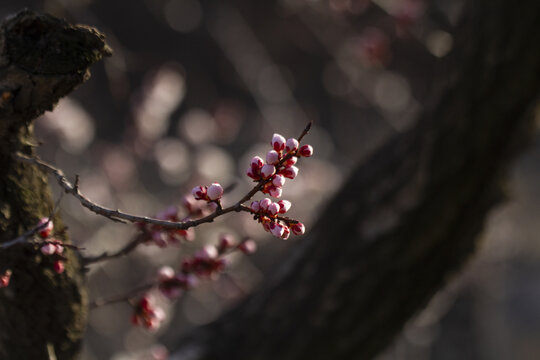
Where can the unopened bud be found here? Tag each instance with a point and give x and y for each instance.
(248, 247)
(268, 170)
(278, 180)
(273, 208)
(284, 206)
(215, 191)
(47, 229)
(199, 192)
(298, 229)
(275, 191)
(264, 203)
(278, 142)
(290, 172)
(272, 157)
(257, 162)
(255, 207)
(305, 150)
(291, 145)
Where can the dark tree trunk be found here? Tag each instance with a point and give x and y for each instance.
(408, 218)
(42, 314)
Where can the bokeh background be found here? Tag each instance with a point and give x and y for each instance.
(195, 88)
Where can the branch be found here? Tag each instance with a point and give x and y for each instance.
(120, 216)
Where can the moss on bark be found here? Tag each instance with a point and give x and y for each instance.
(41, 59)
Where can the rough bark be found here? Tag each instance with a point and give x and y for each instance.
(42, 59)
(407, 219)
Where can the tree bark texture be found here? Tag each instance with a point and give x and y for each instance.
(407, 218)
(42, 314)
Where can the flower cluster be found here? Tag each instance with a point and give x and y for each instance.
(162, 237)
(50, 245)
(280, 164)
(147, 314)
(205, 263)
(268, 214)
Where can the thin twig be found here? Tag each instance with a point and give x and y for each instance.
(122, 297)
(28, 234)
(129, 247)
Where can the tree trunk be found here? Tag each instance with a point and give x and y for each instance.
(407, 219)
(42, 314)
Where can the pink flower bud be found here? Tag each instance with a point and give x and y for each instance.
(284, 206)
(278, 142)
(268, 170)
(48, 249)
(291, 145)
(248, 247)
(298, 228)
(226, 241)
(264, 203)
(47, 229)
(159, 238)
(272, 157)
(165, 273)
(286, 233)
(257, 162)
(59, 249)
(273, 208)
(199, 192)
(253, 175)
(58, 266)
(215, 191)
(290, 161)
(277, 229)
(275, 191)
(255, 207)
(4, 278)
(278, 181)
(208, 252)
(290, 172)
(305, 150)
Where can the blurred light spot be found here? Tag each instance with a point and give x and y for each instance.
(198, 126)
(183, 15)
(201, 307)
(161, 95)
(216, 164)
(172, 157)
(107, 321)
(119, 167)
(74, 126)
(229, 116)
(271, 85)
(335, 81)
(137, 339)
(439, 43)
(392, 92)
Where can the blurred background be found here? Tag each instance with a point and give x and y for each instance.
(195, 88)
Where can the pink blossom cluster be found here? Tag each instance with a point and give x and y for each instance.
(147, 314)
(162, 237)
(268, 214)
(280, 164)
(51, 246)
(205, 263)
